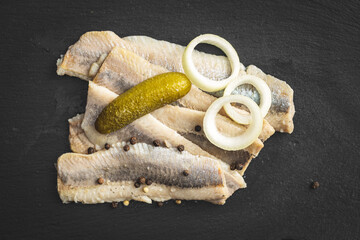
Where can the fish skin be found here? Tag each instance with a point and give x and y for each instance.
(283, 109)
(92, 45)
(122, 69)
(78, 174)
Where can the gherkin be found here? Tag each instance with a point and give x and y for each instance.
(142, 99)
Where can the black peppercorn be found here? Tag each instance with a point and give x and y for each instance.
(233, 166)
(197, 128)
(141, 180)
(315, 185)
(100, 180)
(126, 148)
(137, 185)
(156, 143)
(186, 172)
(181, 148)
(133, 140)
(91, 150)
(107, 146)
(239, 166)
(148, 182)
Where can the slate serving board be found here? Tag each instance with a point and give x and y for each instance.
(313, 45)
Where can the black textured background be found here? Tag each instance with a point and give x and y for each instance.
(313, 45)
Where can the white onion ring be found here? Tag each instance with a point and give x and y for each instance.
(232, 143)
(201, 81)
(261, 87)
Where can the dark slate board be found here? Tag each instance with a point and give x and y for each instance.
(313, 45)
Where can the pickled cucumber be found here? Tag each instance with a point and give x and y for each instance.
(142, 99)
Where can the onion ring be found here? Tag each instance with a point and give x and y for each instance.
(261, 87)
(232, 143)
(201, 81)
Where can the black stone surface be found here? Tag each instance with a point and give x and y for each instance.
(313, 45)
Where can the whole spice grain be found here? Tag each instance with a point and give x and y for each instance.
(233, 166)
(181, 148)
(315, 185)
(197, 128)
(141, 180)
(107, 146)
(186, 172)
(126, 148)
(91, 150)
(137, 185)
(126, 203)
(156, 143)
(100, 180)
(239, 166)
(114, 204)
(148, 182)
(133, 140)
(145, 189)
(178, 201)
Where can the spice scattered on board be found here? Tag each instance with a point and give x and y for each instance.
(315, 185)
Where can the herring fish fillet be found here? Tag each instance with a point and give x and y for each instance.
(207, 179)
(169, 55)
(146, 129)
(80, 144)
(122, 69)
(184, 126)
(85, 53)
(91, 45)
(157, 126)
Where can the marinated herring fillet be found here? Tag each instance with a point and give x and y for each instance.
(185, 127)
(207, 180)
(93, 45)
(147, 129)
(122, 69)
(169, 55)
